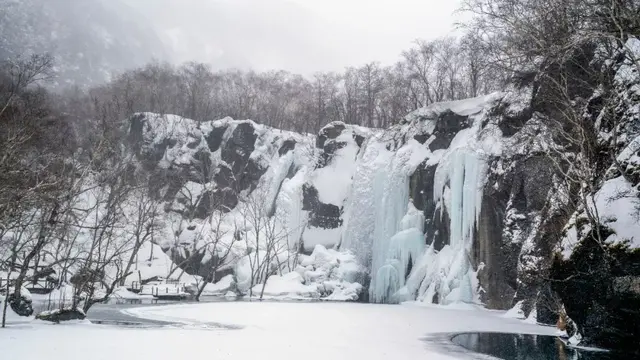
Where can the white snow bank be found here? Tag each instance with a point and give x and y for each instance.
(313, 236)
(326, 274)
(124, 294)
(618, 206)
(463, 107)
(221, 287)
(333, 181)
(516, 311)
(290, 285)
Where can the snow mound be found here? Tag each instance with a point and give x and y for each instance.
(290, 285)
(326, 274)
(617, 203)
(516, 312)
(222, 287)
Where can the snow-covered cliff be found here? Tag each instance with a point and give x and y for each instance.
(460, 202)
(406, 201)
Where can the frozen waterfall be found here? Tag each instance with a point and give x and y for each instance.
(447, 276)
(403, 267)
(457, 189)
(386, 231)
(404, 249)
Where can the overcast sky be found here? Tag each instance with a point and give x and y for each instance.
(297, 35)
(383, 28)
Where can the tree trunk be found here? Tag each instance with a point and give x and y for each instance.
(205, 281)
(6, 299)
(134, 254)
(42, 236)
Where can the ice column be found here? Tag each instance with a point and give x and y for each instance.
(404, 249)
(447, 276)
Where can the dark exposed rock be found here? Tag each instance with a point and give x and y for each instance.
(421, 191)
(448, 124)
(193, 263)
(239, 147)
(223, 200)
(237, 151)
(226, 199)
(600, 288)
(200, 169)
(326, 216)
(224, 177)
(287, 146)
(498, 276)
(330, 131)
(511, 202)
(359, 139)
(136, 126)
(250, 175)
(421, 138)
(56, 316)
(328, 152)
(214, 138)
(510, 122)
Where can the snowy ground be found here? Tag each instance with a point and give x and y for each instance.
(265, 330)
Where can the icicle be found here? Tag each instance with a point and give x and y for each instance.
(447, 277)
(406, 247)
(403, 252)
(413, 219)
(385, 284)
(365, 202)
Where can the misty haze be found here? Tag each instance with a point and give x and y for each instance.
(320, 179)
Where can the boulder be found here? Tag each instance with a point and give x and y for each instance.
(331, 131)
(58, 315)
(326, 216)
(21, 305)
(448, 124)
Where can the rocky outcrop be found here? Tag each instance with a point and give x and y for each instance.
(199, 168)
(600, 295)
(59, 315)
(326, 216)
(596, 269)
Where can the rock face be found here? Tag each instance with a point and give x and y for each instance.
(351, 187)
(604, 301)
(201, 169)
(459, 202)
(596, 273)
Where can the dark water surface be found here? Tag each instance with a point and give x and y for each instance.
(527, 347)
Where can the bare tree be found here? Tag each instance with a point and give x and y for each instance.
(144, 222)
(266, 238)
(219, 248)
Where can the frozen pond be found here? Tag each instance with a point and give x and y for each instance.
(253, 330)
(525, 347)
